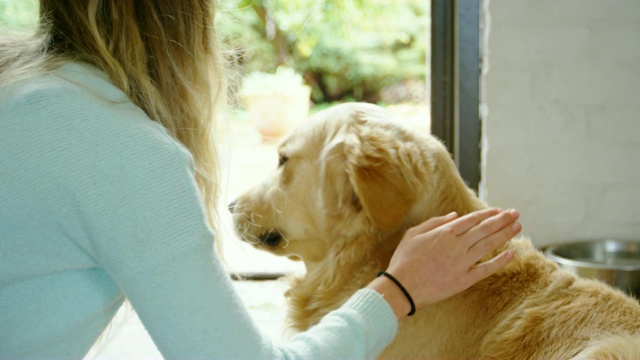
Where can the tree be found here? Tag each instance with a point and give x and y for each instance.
(348, 48)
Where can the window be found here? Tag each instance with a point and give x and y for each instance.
(455, 82)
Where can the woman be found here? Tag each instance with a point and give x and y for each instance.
(108, 189)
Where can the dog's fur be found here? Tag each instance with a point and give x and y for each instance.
(352, 181)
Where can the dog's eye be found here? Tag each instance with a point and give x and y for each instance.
(283, 159)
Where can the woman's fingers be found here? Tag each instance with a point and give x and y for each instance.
(432, 223)
(490, 226)
(485, 269)
(467, 222)
(490, 243)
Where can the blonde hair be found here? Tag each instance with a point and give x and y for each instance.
(163, 54)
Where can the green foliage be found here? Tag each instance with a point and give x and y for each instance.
(18, 14)
(344, 48)
(347, 48)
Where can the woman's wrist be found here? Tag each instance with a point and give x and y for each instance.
(392, 295)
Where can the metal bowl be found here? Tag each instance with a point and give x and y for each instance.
(612, 261)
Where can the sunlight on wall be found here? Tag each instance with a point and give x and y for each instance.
(560, 108)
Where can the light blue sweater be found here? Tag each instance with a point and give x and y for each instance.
(99, 203)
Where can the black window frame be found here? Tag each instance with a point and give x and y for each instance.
(455, 83)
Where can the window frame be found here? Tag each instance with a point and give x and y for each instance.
(455, 83)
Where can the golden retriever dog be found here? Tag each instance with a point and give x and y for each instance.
(351, 181)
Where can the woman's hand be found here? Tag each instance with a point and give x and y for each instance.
(439, 258)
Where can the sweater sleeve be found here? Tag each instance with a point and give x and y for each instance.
(146, 226)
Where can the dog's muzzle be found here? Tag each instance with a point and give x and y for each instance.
(271, 239)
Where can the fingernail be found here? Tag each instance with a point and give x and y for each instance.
(514, 213)
(516, 227)
(451, 215)
(509, 254)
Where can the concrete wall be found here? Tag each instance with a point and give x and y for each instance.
(561, 116)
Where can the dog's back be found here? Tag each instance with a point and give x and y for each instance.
(530, 310)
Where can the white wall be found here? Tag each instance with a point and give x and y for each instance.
(561, 116)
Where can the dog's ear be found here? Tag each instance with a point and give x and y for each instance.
(382, 168)
(338, 192)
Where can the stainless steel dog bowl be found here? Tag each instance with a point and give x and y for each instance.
(612, 261)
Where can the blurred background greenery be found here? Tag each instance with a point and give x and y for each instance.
(18, 14)
(343, 48)
(355, 50)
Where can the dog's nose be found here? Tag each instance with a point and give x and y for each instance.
(271, 239)
(232, 206)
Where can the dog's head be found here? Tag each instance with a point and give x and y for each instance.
(351, 171)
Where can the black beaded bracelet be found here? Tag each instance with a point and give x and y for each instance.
(404, 291)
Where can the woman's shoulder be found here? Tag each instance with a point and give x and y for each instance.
(74, 124)
(73, 89)
(69, 85)
(78, 103)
